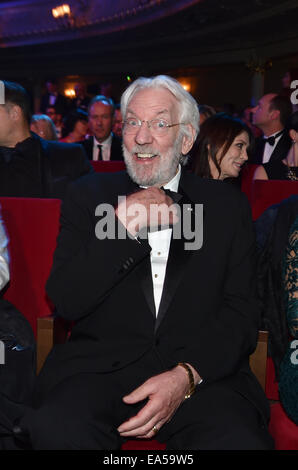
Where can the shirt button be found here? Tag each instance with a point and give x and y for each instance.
(159, 253)
(155, 275)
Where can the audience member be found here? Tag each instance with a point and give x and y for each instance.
(29, 165)
(288, 374)
(276, 222)
(75, 126)
(56, 118)
(81, 100)
(117, 122)
(287, 168)
(139, 363)
(222, 147)
(246, 117)
(4, 257)
(103, 144)
(271, 115)
(17, 373)
(53, 98)
(205, 111)
(43, 126)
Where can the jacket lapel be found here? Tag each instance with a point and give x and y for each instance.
(178, 256)
(282, 148)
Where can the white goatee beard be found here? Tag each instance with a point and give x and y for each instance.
(164, 173)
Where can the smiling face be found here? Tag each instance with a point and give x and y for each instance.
(233, 160)
(152, 159)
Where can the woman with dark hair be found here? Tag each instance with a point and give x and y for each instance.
(222, 147)
(286, 169)
(75, 126)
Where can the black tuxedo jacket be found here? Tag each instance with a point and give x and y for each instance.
(208, 314)
(116, 148)
(280, 152)
(61, 104)
(41, 168)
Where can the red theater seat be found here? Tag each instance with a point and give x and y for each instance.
(266, 193)
(247, 179)
(32, 226)
(109, 166)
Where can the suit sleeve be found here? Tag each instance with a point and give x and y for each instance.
(228, 336)
(86, 268)
(83, 165)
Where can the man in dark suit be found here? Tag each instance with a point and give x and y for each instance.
(103, 145)
(162, 298)
(31, 166)
(270, 115)
(52, 98)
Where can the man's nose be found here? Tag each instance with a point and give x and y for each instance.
(143, 135)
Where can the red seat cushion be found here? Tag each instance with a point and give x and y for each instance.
(266, 193)
(32, 226)
(282, 429)
(247, 179)
(109, 166)
(151, 444)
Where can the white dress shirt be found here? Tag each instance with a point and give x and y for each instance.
(160, 244)
(105, 148)
(268, 149)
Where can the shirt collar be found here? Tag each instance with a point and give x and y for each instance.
(173, 184)
(275, 133)
(108, 141)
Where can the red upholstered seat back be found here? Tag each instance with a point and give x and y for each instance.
(266, 193)
(110, 166)
(32, 226)
(247, 179)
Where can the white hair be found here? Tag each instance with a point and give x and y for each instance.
(188, 107)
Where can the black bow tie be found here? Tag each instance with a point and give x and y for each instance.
(172, 194)
(271, 140)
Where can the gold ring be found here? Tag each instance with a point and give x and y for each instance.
(154, 429)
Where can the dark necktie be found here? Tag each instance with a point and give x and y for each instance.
(271, 140)
(99, 151)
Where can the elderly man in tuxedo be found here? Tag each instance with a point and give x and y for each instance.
(163, 324)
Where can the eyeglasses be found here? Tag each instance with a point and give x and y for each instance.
(156, 126)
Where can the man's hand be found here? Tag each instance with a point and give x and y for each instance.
(146, 208)
(165, 393)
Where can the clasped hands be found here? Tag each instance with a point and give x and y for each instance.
(150, 207)
(165, 392)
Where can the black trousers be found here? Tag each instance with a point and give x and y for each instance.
(84, 411)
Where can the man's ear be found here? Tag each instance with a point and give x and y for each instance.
(275, 114)
(15, 112)
(188, 140)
